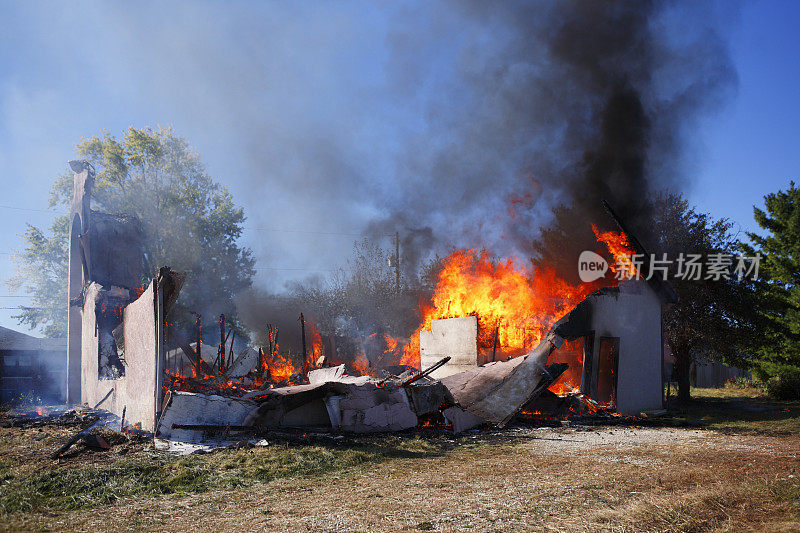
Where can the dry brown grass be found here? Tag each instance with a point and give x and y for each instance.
(601, 479)
(740, 410)
(520, 479)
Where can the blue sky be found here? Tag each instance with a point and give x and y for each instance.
(752, 148)
(247, 83)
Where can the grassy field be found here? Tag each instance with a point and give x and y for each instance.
(729, 462)
(740, 410)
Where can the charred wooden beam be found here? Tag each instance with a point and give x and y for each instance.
(98, 404)
(261, 363)
(222, 339)
(200, 366)
(424, 373)
(75, 438)
(221, 353)
(494, 344)
(303, 336)
(199, 324)
(230, 355)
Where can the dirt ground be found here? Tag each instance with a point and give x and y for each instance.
(617, 478)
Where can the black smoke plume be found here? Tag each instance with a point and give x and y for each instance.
(559, 103)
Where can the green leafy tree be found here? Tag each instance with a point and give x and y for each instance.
(714, 318)
(191, 224)
(779, 300)
(41, 269)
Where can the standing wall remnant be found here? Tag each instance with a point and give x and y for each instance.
(115, 336)
(456, 338)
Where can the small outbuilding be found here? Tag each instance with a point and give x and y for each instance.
(31, 367)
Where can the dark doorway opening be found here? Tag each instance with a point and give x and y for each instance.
(587, 385)
(607, 365)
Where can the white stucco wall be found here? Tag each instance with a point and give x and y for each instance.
(633, 315)
(136, 391)
(453, 337)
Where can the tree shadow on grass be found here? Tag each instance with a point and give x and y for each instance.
(735, 414)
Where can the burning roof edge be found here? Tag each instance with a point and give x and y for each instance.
(662, 287)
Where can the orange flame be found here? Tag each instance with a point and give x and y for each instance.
(391, 343)
(280, 368)
(520, 302)
(572, 354)
(621, 250)
(392, 353)
(317, 349)
(360, 365)
(138, 291)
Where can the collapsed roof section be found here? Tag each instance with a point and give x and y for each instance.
(497, 391)
(332, 401)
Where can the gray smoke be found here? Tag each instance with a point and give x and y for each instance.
(523, 106)
(457, 124)
(554, 102)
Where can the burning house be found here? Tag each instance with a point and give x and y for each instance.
(494, 341)
(612, 344)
